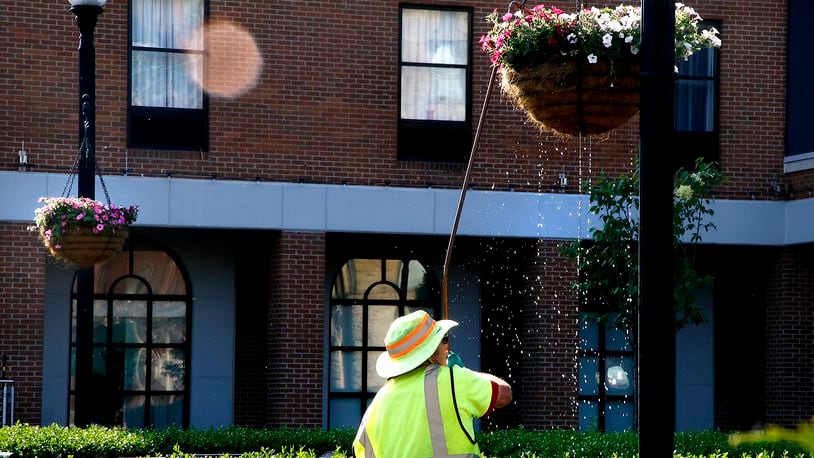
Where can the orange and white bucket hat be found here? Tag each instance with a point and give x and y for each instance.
(411, 340)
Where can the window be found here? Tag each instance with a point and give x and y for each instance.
(606, 377)
(167, 108)
(366, 296)
(141, 305)
(434, 104)
(800, 91)
(696, 106)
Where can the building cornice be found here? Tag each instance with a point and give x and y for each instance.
(197, 203)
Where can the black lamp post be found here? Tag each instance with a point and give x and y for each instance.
(656, 316)
(86, 11)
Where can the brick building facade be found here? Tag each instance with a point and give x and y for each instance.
(302, 177)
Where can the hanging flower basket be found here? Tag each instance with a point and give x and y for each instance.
(84, 248)
(579, 73)
(81, 231)
(572, 97)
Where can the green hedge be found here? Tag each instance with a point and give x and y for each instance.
(94, 442)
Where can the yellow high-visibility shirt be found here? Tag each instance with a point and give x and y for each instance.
(397, 423)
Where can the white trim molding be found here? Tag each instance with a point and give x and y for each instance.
(196, 203)
(798, 162)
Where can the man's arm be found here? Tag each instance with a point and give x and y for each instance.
(504, 390)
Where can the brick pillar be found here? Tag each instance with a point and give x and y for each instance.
(22, 307)
(550, 319)
(296, 330)
(790, 339)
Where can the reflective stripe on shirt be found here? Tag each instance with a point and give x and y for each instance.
(365, 441)
(439, 442)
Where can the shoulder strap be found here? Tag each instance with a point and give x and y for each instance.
(455, 404)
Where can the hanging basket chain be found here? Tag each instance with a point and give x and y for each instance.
(84, 148)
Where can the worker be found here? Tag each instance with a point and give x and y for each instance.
(425, 409)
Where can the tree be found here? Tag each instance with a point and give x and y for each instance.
(608, 263)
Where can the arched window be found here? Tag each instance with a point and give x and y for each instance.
(366, 296)
(141, 327)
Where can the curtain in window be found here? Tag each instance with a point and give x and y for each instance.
(695, 93)
(167, 53)
(432, 42)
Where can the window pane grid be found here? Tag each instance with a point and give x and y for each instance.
(167, 52)
(147, 376)
(434, 66)
(358, 323)
(606, 376)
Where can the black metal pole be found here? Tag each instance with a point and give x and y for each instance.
(656, 347)
(86, 16)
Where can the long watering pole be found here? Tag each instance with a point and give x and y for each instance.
(462, 197)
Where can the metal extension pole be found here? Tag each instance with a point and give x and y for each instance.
(448, 258)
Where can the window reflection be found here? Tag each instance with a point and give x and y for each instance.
(366, 296)
(606, 374)
(141, 352)
(155, 268)
(169, 322)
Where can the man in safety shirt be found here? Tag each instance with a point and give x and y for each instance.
(415, 414)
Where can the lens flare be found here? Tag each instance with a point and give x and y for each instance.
(233, 63)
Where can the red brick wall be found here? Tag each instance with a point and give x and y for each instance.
(324, 110)
(549, 339)
(325, 106)
(22, 299)
(790, 339)
(296, 330)
(752, 106)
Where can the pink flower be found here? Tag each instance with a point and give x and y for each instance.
(508, 17)
(80, 217)
(100, 227)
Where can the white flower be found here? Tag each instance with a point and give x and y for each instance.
(711, 35)
(591, 58)
(634, 50)
(628, 38)
(607, 40)
(683, 192)
(572, 38)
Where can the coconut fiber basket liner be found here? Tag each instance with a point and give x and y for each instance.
(84, 248)
(572, 97)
